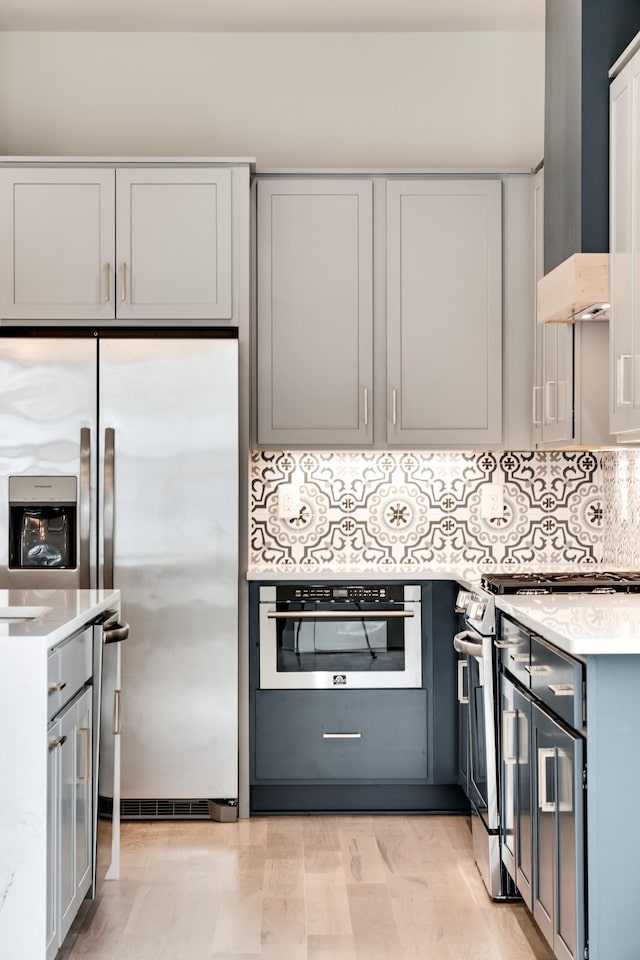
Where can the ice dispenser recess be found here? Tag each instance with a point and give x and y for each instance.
(42, 522)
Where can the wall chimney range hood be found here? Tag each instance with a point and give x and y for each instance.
(578, 289)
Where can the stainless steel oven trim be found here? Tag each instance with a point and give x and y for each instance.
(410, 677)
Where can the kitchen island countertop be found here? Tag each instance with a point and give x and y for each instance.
(66, 611)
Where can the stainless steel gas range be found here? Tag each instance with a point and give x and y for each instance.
(476, 646)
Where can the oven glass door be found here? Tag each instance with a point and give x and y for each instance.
(331, 644)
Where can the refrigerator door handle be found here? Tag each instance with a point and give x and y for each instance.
(85, 507)
(109, 505)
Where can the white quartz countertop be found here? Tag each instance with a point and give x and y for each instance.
(64, 612)
(580, 624)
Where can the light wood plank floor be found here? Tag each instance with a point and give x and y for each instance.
(301, 888)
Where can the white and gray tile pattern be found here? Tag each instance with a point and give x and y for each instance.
(368, 510)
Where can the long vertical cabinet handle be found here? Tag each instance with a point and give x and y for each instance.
(85, 733)
(115, 729)
(85, 507)
(544, 754)
(506, 756)
(621, 360)
(462, 666)
(107, 282)
(394, 406)
(123, 281)
(537, 421)
(366, 406)
(109, 505)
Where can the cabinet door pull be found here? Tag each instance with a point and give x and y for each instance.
(56, 687)
(57, 742)
(107, 282)
(462, 666)
(123, 281)
(506, 716)
(505, 644)
(621, 361)
(561, 689)
(547, 401)
(394, 406)
(116, 713)
(537, 670)
(545, 754)
(537, 421)
(366, 406)
(84, 732)
(341, 736)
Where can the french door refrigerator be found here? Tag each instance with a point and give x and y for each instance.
(147, 424)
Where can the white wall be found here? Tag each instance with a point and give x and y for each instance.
(291, 100)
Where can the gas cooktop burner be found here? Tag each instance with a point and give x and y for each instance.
(537, 583)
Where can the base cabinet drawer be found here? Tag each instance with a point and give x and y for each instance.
(341, 735)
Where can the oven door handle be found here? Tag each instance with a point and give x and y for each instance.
(464, 643)
(337, 614)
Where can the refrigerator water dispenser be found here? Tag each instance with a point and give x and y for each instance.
(42, 522)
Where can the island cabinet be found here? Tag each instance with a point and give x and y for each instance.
(106, 242)
(542, 771)
(51, 664)
(380, 310)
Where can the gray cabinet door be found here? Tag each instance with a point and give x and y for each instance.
(558, 902)
(315, 312)
(444, 312)
(57, 244)
(173, 243)
(341, 735)
(74, 824)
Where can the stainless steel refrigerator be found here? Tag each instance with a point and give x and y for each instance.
(139, 429)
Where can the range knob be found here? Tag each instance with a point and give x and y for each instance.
(463, 600)
(476, 609)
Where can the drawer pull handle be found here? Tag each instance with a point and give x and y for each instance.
(57, 687)
(538, 670)
(506, 716)
(561, 689)
(341, 736)
(505, 644)
(520, 658)
(57, 742)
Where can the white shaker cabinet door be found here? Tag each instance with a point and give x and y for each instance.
(625, 248)
(173, 243)
(444, 312)
(315, 312)
(57, 243)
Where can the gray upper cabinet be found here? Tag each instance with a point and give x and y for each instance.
(444, 312)
(101, 243)
(380, 311)
(57, 244)
(315, 312)
(173, 243)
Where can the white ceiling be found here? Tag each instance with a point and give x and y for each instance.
(272, 15)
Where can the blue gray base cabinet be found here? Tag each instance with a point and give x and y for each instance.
(373, 750)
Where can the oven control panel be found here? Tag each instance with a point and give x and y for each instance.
(310, 592)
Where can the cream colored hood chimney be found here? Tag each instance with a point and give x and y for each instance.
(578, 289)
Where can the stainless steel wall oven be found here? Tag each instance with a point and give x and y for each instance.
(315, 636)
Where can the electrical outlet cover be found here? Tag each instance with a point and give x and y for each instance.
(492, 503)
(288, 500)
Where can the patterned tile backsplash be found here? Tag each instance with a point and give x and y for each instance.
(368, 510)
